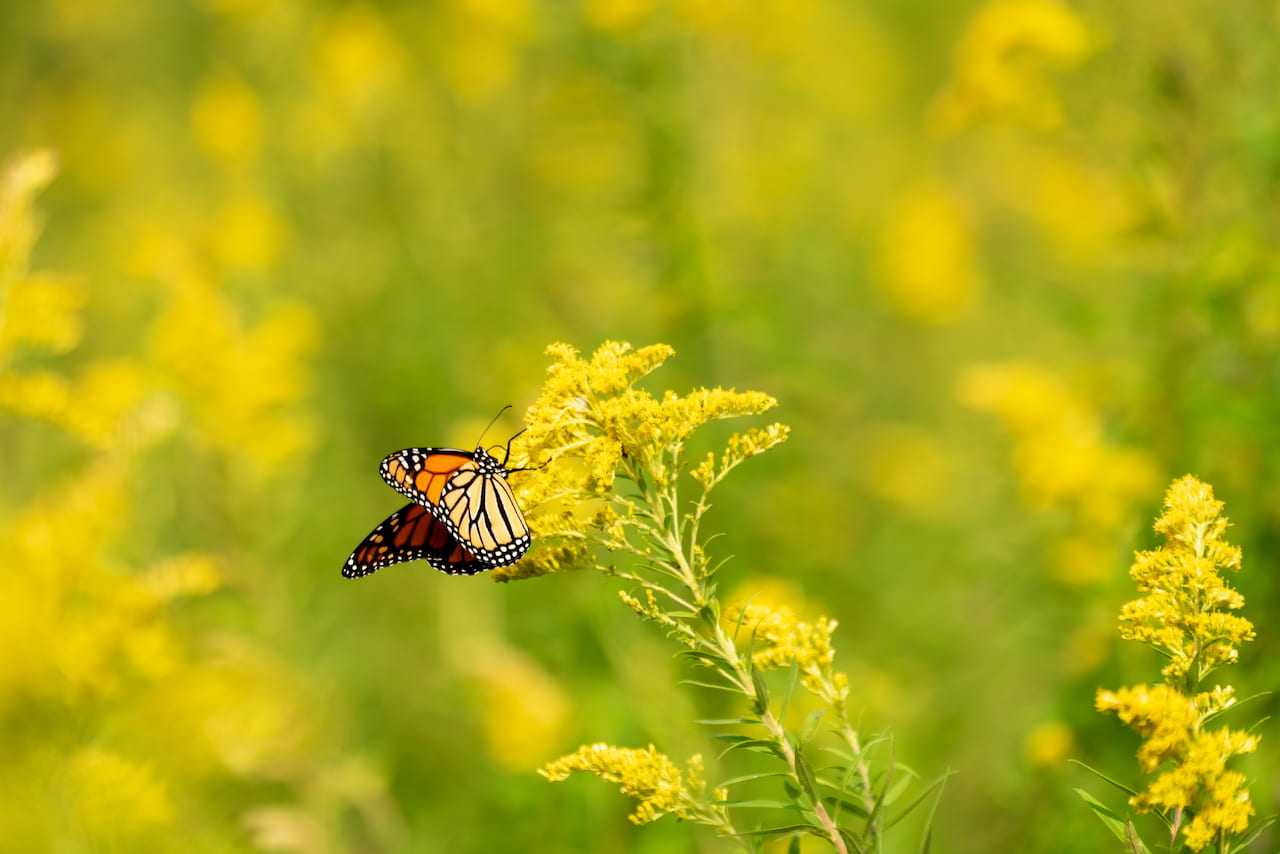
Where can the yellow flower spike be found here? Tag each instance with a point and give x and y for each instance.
(646, 775)
(1179, 614)
(1182, 615)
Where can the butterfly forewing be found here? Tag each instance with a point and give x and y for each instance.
(421, 473)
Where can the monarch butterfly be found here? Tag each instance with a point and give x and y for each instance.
(468, 519)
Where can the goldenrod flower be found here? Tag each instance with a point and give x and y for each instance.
(1183, 616)
(1183, 611)
(591, 425)
(779, 639)
(646, 775)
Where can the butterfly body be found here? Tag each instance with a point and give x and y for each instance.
(464, 517)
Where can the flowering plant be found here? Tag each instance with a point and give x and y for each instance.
(613, 474)
(1185, 614)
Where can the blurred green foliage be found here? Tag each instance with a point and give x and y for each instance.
(1009, 267)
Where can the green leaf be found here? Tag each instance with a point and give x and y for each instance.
(742, 615)
(902, 783)
(845, 802)
(1131, 839)
(747, 778)
(709, 658)
(1121, 828)
(732, 689)
(762, 690)
(804, 773)
(1095, 772)
(756, 802)
(810, 725)
(729, 722)
(852, 842)
(793, 678)
(785, 829)
(1254, 833)
(743, 742)
(794, 847)
(936, 785)
(846, 755)
(926, 841)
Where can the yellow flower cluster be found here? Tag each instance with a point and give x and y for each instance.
(926, 263)
(779, 639)
(1180, 616)
(1000, 62)
(1183, 611)
(645, 775)
(591, 424)
(1171, 726)
(1063, 459)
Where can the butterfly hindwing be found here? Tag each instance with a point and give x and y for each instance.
(412, 533)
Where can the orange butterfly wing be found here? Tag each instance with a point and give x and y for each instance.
(422, 473)
(412, 533)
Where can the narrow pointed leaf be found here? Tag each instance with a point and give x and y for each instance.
(732, 689)
(935, 785)
(1106, 815)
(1131, 839)
(804, 774)
(728, 721)
(926, 841)
(779, 831)
(1095, 772)
(810, 725)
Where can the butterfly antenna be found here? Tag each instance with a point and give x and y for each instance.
(507, 455)
(491, 423)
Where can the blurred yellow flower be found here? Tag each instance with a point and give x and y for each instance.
(525, 711)
(357, 58)
(1050, 744)
(1000, 62)
(908, 466)
(248, 233)
(241, 383)
(1082, 560)
(1081, 208)
(486, 42)
(926, 263)
(43, 311)
(1059, 450)
(140, 713)
(614, 15)
(226, 118)
(114, 798)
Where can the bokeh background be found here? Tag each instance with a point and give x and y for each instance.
(1009, 267)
